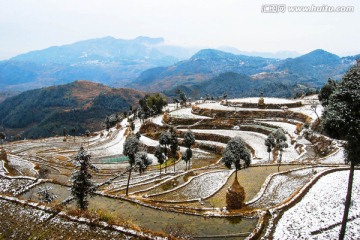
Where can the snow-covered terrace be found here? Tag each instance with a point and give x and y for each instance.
(255, 140)
(318, 214)
(186, 113)
(267, 100)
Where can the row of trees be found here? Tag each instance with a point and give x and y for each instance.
(170, 139)
(276, 141)
(168, 147)
(138, 159)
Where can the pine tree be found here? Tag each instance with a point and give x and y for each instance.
(280, 143)
(142, 161)
(174, 143)
(326, 91)
(235, 152)
(341, 119)
(270, 143)
(165, 140)
(186, 156)
(189, 140)
(159, 154)
(82, 186)
(131, 147)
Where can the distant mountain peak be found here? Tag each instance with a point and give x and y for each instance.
(321, 52)
(319, 57)
(210, 53)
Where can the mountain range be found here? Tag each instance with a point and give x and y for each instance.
(149, 64)
(107, 60)
(312, 69)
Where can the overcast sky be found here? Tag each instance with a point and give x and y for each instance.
(27, 25)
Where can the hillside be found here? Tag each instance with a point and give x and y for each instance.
(81, 104)
(240, 85)
(107, 60)
(6, 94)
(202, 66)
(312, 69)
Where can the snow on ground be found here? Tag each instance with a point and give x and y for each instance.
(115, 145)
(135, 179)
(2, 168)
(212, 143)
(112, 147)
(320, 208)
(148, 141)
(25, 222)
(170, 107)
(255, 140)
(186, 113)
(94, 139)
(267, 100)
(336, 158)
(282, 185)
(288, 127)
(200, 187)
(21, 165)
(206, 184)
(218, 106)
(12, 185)
(158, 120)
(307, 110)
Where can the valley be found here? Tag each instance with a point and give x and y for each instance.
(179, 202)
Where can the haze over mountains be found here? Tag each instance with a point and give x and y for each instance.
(149, 64)
(107, 60)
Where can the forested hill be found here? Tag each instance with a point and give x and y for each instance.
(237, 85)
(81, 104)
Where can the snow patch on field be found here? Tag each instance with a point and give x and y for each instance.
(218, 106)
(288, 127)
(320, 208)
(186, 113)
(281, 186)
(148, 141)
(3, 170)
(307, 110)
(8, 185)
(267, 100)
(200, 187)
(336, 158)
(205, 185)
(158, 120)
(22, 166)
(257, 142)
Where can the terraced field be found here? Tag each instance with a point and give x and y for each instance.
(194, 198)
